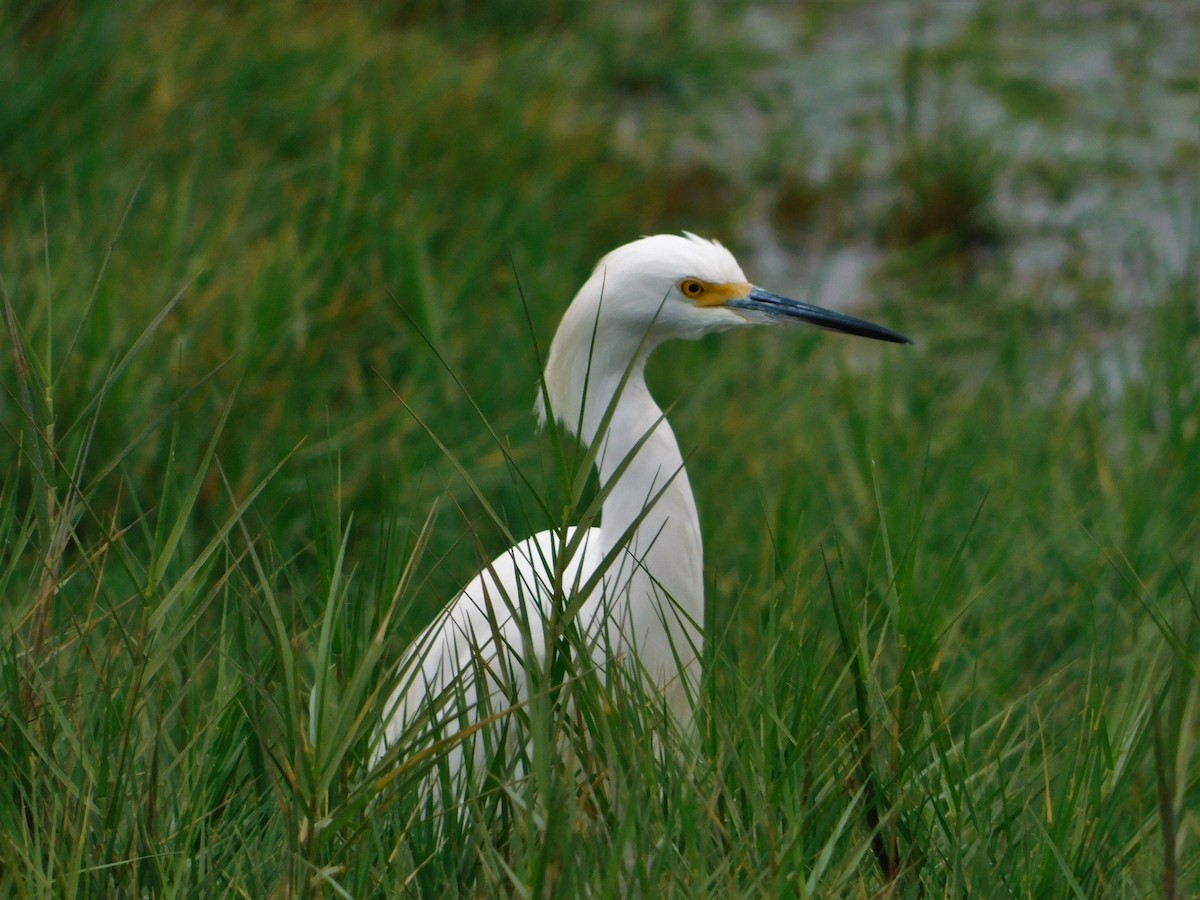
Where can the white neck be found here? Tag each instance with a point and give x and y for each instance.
(648, 508)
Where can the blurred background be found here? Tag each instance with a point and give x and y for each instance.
(240, 237)
(1015, 185)
(352, 203)
(355, 203)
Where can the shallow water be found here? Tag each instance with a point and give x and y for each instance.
(1092, 111)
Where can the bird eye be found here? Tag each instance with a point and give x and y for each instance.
(691, 287)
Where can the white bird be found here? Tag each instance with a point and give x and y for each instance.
(635, 584)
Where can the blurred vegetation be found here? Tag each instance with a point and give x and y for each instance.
(953, 590)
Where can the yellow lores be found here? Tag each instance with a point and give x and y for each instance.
(705, 293)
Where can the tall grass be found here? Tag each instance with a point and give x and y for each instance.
(953, 614)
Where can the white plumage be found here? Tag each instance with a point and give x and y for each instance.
(647, 601)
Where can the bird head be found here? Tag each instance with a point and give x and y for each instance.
(662, 287)
(683, 286)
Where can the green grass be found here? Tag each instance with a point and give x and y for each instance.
(953, 590)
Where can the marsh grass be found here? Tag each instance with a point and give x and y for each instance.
(953, 604)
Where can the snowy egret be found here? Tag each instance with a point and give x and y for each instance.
(634, 585)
